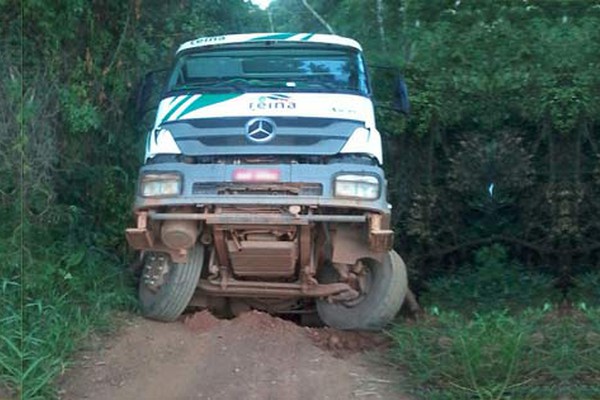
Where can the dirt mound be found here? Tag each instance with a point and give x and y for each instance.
(345, 343)
(262, 322)
(255, 356)
(201, 321)
(340, 343)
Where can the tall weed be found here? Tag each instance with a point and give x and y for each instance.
(497, 331)
(586, 289)
(481, 358)
(68, 289)
(492, 282)
(533, 355)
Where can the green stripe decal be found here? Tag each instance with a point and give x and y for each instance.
(175, 107)
(207, 100)
(277, 36)
(308, 36)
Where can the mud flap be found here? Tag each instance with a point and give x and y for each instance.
(351, 243)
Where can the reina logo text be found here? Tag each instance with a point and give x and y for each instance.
(273, 102)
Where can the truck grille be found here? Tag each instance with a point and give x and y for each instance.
(266, 189)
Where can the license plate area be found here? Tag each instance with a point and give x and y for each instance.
(256, 175)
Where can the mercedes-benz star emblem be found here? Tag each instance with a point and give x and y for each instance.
(260, 130)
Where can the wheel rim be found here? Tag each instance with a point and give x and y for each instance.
(364, 281)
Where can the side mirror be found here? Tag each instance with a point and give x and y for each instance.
(141, 96)
(148, 92)
(390, 89)
(401, 102)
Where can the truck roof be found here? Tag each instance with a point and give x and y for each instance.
(262, 37)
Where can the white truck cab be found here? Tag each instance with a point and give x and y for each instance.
(311, 76)
(263, 185)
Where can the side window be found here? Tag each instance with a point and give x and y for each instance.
(149, 92)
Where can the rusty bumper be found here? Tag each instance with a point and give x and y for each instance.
(380, 238)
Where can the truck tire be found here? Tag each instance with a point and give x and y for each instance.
(170, 300)
(375, 309)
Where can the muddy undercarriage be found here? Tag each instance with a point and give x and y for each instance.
(270, 258)
(274, 246)
(266, 252)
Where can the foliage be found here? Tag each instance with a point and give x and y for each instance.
(69, 153)
(503, 93)
(533, 355)
(502, 142)
(491, 283)
(72, 288)
(586, 289)
(494, 330)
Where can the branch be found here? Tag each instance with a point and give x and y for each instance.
(317, 16)
(118, 48)
(380, 24)
(270, 20)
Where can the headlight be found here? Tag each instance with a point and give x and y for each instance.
(156, 185)
(357, 186)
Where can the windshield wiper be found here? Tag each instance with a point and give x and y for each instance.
(230, 85)
(243, 85)
(307, 83)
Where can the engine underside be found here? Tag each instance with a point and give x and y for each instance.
(266, 252)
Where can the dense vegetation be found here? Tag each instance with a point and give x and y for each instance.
(494, 331)
(496, 169)
(503, 93)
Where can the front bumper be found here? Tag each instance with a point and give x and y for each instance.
(245, 208)
(218, 174)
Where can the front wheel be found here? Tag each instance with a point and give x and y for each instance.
(377, 305)
(166, 287)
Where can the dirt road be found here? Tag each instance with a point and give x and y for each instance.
(253, 357)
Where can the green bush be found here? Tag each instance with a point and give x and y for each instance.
(586, 289)
(494, 330)
(10, 335)
(73, 289)
(493, 282)
(534, 355)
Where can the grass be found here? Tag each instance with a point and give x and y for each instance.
(491, 283)
(475, 342)
(68, 290)
(533, 355)
(586, 289)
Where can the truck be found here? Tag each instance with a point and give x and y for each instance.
(262, 185)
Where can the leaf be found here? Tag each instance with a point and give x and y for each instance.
(74, 259)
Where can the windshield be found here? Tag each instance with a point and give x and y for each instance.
(272, 69)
